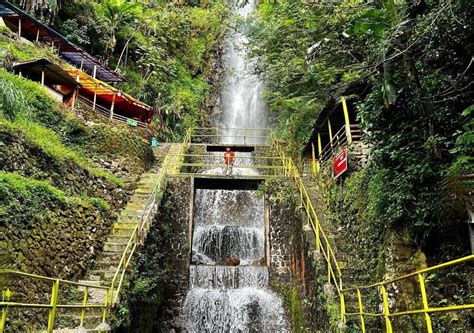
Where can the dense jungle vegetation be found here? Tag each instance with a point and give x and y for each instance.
(165, 49)
(416, 57)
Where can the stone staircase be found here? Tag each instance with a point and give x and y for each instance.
(106, 263)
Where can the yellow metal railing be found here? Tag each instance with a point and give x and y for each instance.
(426, 310)
(170, 165)
(323, 245)
(53, 303)
(217, 134)
(334, 275)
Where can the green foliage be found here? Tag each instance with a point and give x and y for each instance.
(416, 62)
(291, 298)
(162, 48)
(75, 33)
(26, 108)
(464, 145)
(18, 50)
(37, 192)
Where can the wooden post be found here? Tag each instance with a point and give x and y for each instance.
(19, 26)
(42, 76)
(112, 106)
(82, 61)
(37, 36)
(74, 98)
(95, 90)
(95, 97)
(347, 121)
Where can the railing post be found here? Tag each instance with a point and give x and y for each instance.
(386, 310)
(429, 327)
(318, 239)
(54, 302)
(5, 297)
(347, 121)
(328, 263)
(4, 319)
(343, 308)
(106, 303)
(361, 311)
(84, 304)
(313, 155)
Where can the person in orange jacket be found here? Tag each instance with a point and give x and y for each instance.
(229, 158)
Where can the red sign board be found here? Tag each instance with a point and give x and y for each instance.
(339, 163)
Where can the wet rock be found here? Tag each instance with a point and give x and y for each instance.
(232, 261)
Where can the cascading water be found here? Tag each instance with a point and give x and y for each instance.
(230, 223)
(230, 298)
(242, 104)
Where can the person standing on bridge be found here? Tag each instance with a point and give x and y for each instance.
(229, 158)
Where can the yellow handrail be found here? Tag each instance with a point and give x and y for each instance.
(426, 310)
(171, 165)
(53, 304)
(333, 267)
(322, 242)
(138, 231)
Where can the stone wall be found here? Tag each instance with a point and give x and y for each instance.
(159, 281)
(294, 272)
(49, 236)
(280, 216)
(27, 159)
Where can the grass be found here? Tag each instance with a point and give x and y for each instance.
(50, 143)
(40, 119)
(24, 51)
(24, 187)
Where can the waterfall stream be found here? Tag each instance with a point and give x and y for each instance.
(230, 223)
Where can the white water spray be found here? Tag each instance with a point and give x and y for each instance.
(231, 222)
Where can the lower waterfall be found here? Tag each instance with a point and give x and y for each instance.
(230, 298)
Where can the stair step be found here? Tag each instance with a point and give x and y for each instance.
(118, 239)
(124, 225)
(142, 191)
(108, 257)
(110, 265)
(114, 247)
(91, 321)
(105, 275)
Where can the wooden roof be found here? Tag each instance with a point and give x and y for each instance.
(53, 73)
(33, 29)
(105, 96)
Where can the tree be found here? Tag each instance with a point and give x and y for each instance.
(115, 13)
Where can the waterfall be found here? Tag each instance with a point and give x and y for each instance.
(242, 104)
(230, 298)
(230, 223)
